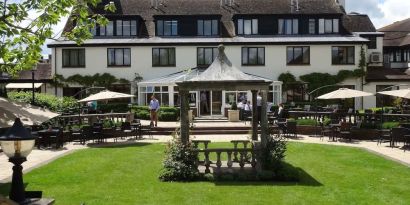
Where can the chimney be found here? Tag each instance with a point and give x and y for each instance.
(341, 3)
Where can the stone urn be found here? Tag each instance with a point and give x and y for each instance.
(233, 113)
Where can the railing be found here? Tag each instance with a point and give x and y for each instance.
(241, 156)
(350, 117)
(91, 118)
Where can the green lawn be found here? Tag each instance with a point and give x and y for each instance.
(128, 175)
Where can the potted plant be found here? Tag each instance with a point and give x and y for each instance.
(233, 113)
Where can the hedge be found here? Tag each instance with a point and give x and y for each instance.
(164, 114)
(51, 102)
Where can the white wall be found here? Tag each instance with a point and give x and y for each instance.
(186, 57)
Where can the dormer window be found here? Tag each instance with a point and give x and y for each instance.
(328, 26)
(208, 27)
(116, 28)
(126, 28)
(288, 26)
(247, 26)
(167, 27)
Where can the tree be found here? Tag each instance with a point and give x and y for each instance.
(25, 25)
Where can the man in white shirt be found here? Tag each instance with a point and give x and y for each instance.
(248, 106)
(259, 106)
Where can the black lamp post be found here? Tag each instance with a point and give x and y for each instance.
(17, 144)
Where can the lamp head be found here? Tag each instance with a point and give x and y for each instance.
(17, 141)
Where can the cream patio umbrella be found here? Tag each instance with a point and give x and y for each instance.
(344, 93)
(29, 114)
(403, 93)
(106, 95)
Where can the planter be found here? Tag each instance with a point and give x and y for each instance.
(190, 115)
(233, 115)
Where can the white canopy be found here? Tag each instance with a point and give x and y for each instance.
(403, 93)
(28, 114)
(106, 95)
(23, 85)
(344, 93)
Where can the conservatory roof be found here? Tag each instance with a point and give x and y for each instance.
(184, 75)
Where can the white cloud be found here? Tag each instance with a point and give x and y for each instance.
(382, 12)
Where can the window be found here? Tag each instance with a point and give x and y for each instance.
(288, 26)
(163, 57)
(328, 26)
(206, 56)
(109, 28)
(161, 94)
(167, 28)
(207, 27)
(312, 26)
(298, 55)
(116, 28)
(73, 57)
(126, 28)
(119, 56)
(342, 55)
(235, 96)
(247, 26)
(253, 56)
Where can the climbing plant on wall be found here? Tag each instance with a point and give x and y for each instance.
(103, 80)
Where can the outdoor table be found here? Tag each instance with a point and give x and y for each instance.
(334, 128)
(45, 137)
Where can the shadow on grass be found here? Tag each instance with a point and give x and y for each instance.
(288, 176)
(117, 144)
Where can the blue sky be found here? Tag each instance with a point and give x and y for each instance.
(381, 12)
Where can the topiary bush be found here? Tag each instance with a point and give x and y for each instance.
(180, 163)
(164, 114)
(390, 125)
(273, 154)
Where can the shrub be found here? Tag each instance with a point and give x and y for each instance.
(309, 122)
(51, 102)
(115, 107)
(234, 106)
(180, 162)
(390, 125)
(164, 114)
(327, 121)
(167, 116)
(274, 152)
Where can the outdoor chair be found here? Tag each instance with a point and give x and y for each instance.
(397, 134)
(384, 136)
(345, 131)
(291, 130)
(82, 135)
(326, 131)
(97, 132)
(127, 130)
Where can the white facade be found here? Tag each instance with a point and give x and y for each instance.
(186, 57)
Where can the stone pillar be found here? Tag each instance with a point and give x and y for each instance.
(254, 116)
(264, 119)
(184, 116)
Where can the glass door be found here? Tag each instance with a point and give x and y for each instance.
(216, 102)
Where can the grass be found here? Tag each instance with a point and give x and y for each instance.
(128, 175)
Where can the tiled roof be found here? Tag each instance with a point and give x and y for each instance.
(385, 74)
(144, 9)
(397, 34)
(358, 23)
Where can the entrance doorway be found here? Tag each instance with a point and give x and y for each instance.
(210, 103)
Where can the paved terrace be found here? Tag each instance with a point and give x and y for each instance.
(41, 157)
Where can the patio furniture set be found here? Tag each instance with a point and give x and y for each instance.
(56, 137)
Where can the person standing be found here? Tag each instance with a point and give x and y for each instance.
(248, 106)
(154, 107)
